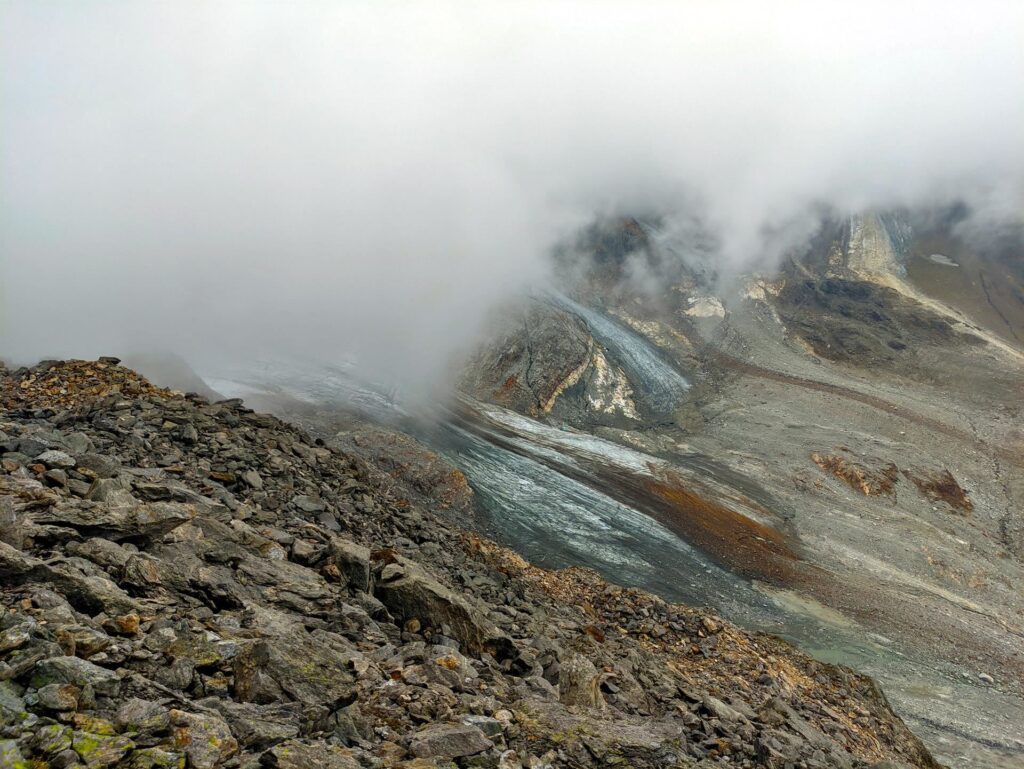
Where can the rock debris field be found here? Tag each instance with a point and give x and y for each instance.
(192, 584)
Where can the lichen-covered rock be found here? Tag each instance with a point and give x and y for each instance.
(99, 750)
(205, 740)
(51, 739)
(146, 721)
(10, 756)
(306, 667)
(156, 758)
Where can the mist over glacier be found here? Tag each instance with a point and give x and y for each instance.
(241, 179)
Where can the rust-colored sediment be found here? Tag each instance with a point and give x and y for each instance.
(503, 394)
(871, 482)
(942, 487)
(745, 546)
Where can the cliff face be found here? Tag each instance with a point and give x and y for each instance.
(194, 584)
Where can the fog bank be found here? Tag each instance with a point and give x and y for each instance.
(241, 179)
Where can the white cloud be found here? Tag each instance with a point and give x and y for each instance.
(222, 178)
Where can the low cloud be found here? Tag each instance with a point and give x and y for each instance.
(332, 179)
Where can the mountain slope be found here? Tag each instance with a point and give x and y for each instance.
(872, 426)
(195, 584)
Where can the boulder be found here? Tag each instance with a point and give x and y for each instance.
(305, 667)
(54, 459)
(120, 522)
(257, 727)
(156, 758)
(97, 465)
(352, 560)
(99, 750)
(76, 671)
(146, 720)
(298, 755)
(417, 595)
(579, 683)
(204, 739)
(449, 741)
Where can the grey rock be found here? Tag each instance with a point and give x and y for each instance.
(56, 459)
(308, 504)
(97, 465)
(352, 560)
(206, 739)
(116, 522)
(449, 741)
(146, 720)
(59, 696)
(300, 755)
(306, 667)
(99, 750)
(76, 671)
(418, 595)
(51, 739)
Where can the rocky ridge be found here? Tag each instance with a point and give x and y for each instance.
(188, 583)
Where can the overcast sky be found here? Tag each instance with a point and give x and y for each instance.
(232, 179)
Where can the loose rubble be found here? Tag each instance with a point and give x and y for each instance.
(191, 584)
